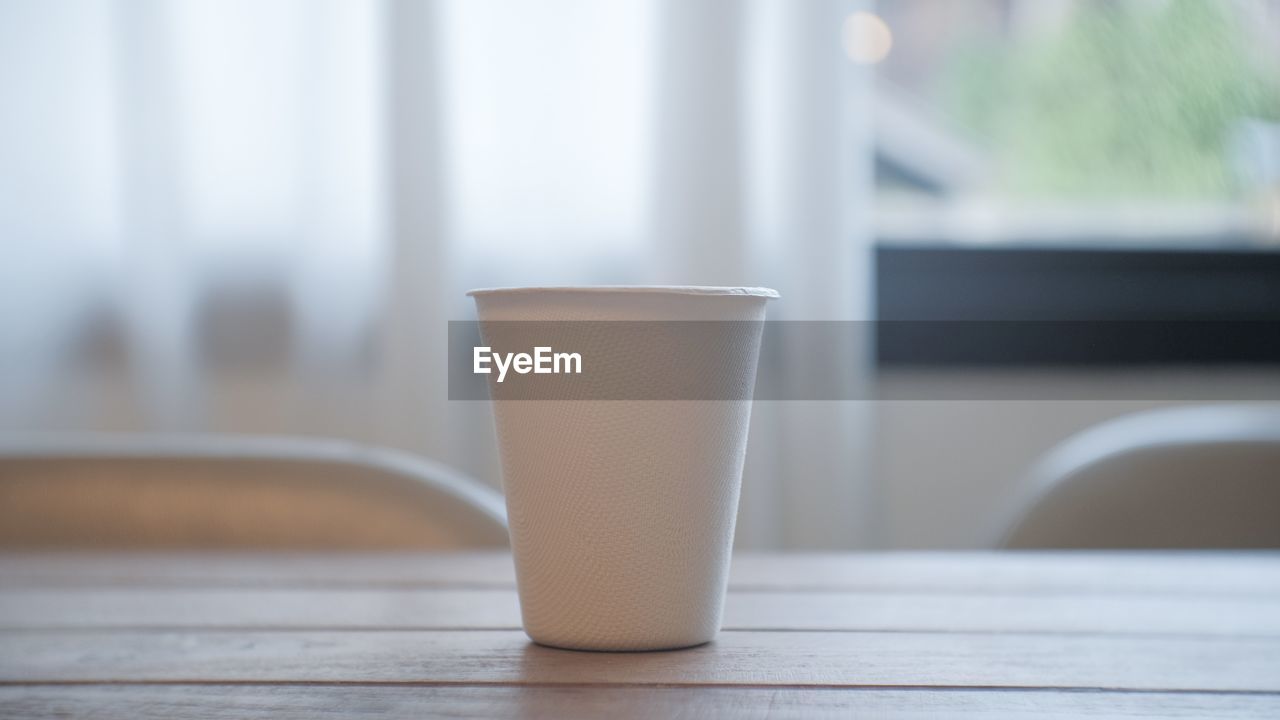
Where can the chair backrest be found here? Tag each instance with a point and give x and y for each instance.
(1183, 477)
(235, 492)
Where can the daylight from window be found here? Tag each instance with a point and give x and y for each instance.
(1136, 121)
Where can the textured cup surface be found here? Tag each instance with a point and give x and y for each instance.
(622, 511)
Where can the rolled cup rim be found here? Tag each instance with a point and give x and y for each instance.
(700, 290)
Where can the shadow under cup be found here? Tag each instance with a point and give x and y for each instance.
(622, 511)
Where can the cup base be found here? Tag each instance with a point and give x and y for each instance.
(575, 647)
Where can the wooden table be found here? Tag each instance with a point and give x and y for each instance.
(806, 636)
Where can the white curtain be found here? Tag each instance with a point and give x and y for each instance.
(259, 216)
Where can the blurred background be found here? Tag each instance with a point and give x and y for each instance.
(258, 217)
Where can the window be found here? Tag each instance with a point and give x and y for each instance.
(1078, 160)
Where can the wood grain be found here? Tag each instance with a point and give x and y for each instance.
(413, 635)
(399, 608)
(753, 658)
(1181, 572)
(217, 569)
(165, 702)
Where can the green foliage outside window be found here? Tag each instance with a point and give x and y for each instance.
(1123, 100)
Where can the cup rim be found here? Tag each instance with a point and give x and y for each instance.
(703, 290)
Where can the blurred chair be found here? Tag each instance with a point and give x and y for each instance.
(1184, 477)
(235, 492)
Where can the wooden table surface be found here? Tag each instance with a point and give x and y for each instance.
(806, 636)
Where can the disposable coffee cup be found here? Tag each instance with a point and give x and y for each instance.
(622, 507)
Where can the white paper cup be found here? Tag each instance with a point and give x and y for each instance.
(622, 511)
